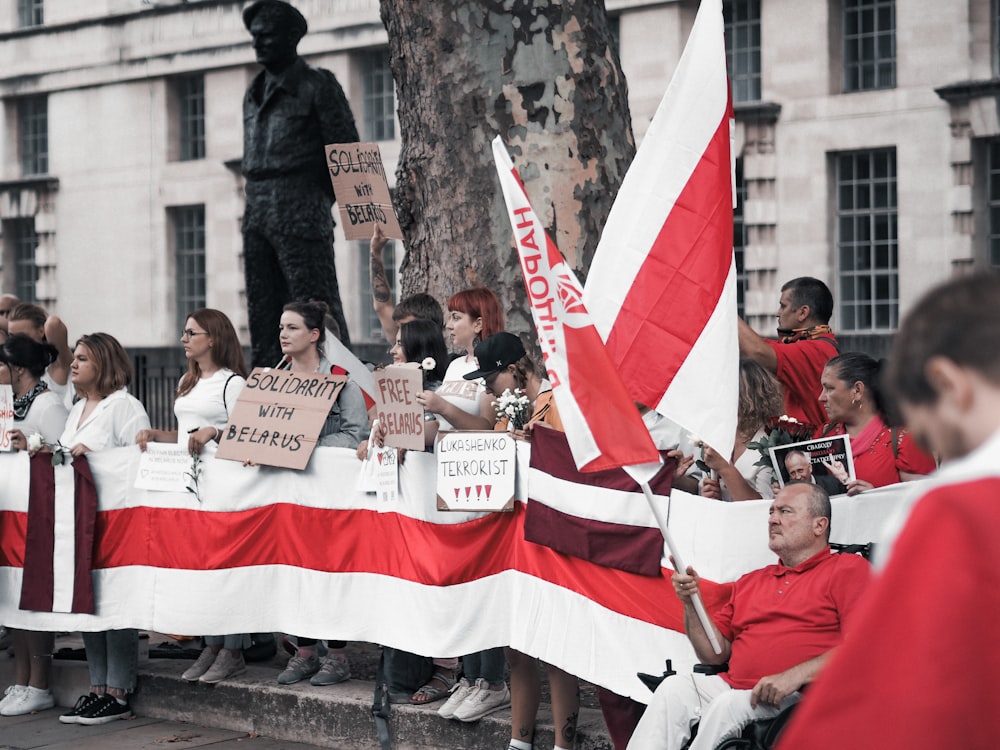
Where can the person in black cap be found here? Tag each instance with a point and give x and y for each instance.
(290, 112)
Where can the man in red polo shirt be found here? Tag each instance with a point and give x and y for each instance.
(920, 666)
(806, 344)
(779, 626)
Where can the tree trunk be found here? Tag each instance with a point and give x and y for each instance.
(542, 74)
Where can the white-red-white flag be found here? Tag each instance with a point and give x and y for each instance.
(602, 424)
(662, 286)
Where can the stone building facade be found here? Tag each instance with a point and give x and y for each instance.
(867, 136)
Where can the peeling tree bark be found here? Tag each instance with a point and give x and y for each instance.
(542, 74)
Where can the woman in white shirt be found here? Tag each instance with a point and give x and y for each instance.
(205, 397)
(37, 410)
(105, 416)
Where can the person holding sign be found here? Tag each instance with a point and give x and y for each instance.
(855, 406)
(473, 314)
(104, 416)
(302, 333)
(37, 411)
(506, 367)
(216, 375)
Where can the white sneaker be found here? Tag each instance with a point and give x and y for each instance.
(28, 700)
(11, 695)
(459, 693)
(482, 701)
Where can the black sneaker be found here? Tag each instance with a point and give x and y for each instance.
(107, 710)
(83, 703)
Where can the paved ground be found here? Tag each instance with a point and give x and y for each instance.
(43, 730)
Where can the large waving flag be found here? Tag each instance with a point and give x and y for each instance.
(602, 424)
(661, 288)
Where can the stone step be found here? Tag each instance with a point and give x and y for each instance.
(338, 716)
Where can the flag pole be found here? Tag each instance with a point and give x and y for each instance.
(699, 605)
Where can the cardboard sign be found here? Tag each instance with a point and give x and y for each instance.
(164, 467)
(396, 389)
(475, 471)
(278, 416)
(362, 190)
(825, 461)
(7, 417)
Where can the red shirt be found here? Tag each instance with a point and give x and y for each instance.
(800, 365)
(877, 462)
(778, 617)
(919, 668)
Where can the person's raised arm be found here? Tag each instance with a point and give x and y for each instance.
(57, 335)
(686, 586)
(381, 291)
(755, 347)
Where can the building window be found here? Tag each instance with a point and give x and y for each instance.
(30, 13)
(33, 134)
(869, 44)
(740, 240)
(371, 328)
(22, 244)
(379, 96)
(742, 18)
(993, 198)
(188, 224)
(867, 240)
(191, 117)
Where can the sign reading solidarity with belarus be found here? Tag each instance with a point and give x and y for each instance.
(278, 416)
(362, 190)
(396, 389)
(475, 471)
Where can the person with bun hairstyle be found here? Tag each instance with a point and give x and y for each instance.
(204, 399)
(37, 410)
(104, 416)
(301, 335)
(35, 322)
(854, 402)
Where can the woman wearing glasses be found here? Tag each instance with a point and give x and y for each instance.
(204, 399)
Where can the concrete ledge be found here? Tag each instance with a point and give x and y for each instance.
(334, 716)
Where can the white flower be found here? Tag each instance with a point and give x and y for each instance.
(428, 363)
(35, 442)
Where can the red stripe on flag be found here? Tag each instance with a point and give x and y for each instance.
(680, 282)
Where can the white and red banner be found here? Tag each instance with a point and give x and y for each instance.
(602, 424)
(303, 552)
(662, 285)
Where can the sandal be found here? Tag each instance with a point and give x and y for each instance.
(431, 693)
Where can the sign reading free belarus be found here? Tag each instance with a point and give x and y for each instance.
(396, 389)
(278, 416)
(362, 190)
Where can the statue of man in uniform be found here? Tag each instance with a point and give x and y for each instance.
(290, 112)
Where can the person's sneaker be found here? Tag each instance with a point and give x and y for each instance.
(299, 667)
(201, 665)
(28, 699)
(482, 701)
(459, 692)
(83, 704)
(333, 668)
(227, 664)
(11, 695)
(107, 709)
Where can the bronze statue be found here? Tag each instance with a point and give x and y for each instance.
(290, 111)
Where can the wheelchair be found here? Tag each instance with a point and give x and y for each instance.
(762, 734)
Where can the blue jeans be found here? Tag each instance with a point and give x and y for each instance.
(236, 642)
(486, 664)
(112, 658)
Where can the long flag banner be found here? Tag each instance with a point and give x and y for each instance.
(246, 558)
(662, 285)
(602, 424)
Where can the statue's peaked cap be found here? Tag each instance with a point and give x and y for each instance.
(287, 10)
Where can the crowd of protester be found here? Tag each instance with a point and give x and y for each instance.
(78, 398)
